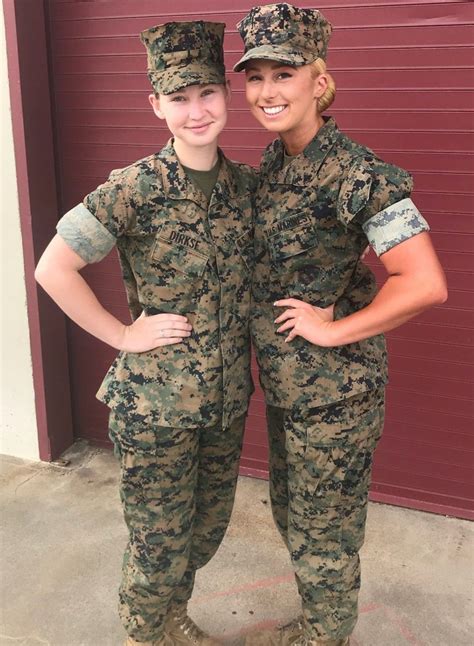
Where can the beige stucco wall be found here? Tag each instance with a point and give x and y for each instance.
(18, 431)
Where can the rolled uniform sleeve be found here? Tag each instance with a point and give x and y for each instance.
(394, 224)
(85, 235)
(91, 228)
(376, 196)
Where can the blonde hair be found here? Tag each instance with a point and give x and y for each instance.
(319, 67)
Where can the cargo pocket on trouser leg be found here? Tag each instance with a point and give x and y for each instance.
(328, 449)
(158, 481)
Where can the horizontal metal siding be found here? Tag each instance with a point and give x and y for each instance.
(404, 72)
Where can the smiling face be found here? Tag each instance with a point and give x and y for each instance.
(284, 100)
(195, 115)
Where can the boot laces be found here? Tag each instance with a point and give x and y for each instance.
(190, 629)
(292, 631)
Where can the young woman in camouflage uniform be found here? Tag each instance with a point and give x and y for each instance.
(178, 391)
(322, 198)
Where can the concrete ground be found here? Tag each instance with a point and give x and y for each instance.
(63, 536)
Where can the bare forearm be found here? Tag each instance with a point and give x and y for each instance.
(400, 299)
(74, 296)
(415, 282)
(58, 274)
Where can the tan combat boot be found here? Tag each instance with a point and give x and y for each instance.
(281, 635)
(291, 634)
(181, 629)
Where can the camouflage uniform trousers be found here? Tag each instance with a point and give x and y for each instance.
(320, 470)
(177, 490)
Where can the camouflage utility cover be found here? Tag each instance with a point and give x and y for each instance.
(282, 32)
(184, 53)
(178, 254)
(314, 217)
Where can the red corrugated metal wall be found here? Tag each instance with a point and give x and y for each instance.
(405, 75)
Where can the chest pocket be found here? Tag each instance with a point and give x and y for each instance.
(181, 252)
(290, 249)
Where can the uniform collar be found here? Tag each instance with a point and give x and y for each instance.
(226, 187)
(301, 170)
(178, 186)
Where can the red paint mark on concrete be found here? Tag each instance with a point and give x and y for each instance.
(268, 624)
(369, 608)
(402, 627)
(255, 585)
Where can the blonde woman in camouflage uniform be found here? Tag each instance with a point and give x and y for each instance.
(322, 198)
(178, 391)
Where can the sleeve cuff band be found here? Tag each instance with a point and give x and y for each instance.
(83, 232)
(395, 224)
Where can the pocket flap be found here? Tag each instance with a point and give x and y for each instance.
(292, 242)
(182, 251)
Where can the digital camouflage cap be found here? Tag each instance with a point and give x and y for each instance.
(282, 32)
(184, 53)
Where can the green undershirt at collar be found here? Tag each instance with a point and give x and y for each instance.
(287, 158)
(205, 180)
